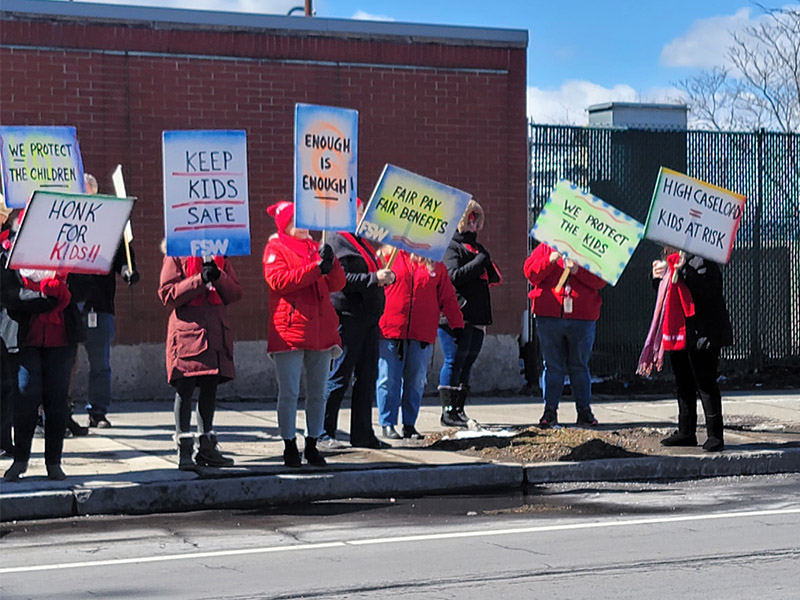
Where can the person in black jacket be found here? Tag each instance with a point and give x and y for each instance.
(8, 371)
(472, 272)
(695, 365)
(359, 306)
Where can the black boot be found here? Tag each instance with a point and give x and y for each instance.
(687, 426)
(186, 452)
(462, 393)
(16, 469)
(208, 455)
(714, 428)
(291, 457)
(313, 457)
(450, 417)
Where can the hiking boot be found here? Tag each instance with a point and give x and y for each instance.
(680, 439)
(586, 418)
(99, 421)
(409, 433)
(549, 418)
(291, 456)
(208, 454)
(313, 457)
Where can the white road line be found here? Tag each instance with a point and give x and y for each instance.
(409, 538)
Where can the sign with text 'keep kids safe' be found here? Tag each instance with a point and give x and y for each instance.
(206, 209)
(39, 158)
(594, 234)
(72, 233)
(694, 216)
(325, 167)
(413, 213)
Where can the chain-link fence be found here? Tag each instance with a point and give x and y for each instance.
(762, 279)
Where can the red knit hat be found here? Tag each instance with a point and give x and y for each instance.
(283, 213)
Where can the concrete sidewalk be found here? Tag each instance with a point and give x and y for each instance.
(131, 468)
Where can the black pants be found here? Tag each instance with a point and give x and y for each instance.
(8, 390)
(359, 357)
(696, 372)
(206, 403)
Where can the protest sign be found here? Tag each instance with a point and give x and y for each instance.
(75, 233)
(206, 209)
(694, 216)
(325, 167)
(413, 213)
(594, 234)
(39, 158)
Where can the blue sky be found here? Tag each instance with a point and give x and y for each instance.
(580, 52)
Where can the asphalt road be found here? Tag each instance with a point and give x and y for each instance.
(731, 538)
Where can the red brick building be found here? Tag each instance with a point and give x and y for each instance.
(445, 102)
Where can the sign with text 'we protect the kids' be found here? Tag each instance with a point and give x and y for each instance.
(694, 216)
(413, 213)
(325, 167)
(73, 233)
(206, 210)
(594, 234)
(39, 158)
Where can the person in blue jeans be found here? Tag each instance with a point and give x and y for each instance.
(95, 296)
(472, 272)
(566, 301)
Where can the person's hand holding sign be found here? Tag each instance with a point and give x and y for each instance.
(571, 266)
(554, 256)
(210, 272)
(326, 258)
(385, 277)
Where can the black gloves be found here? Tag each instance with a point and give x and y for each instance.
(210, 272)
(458, 334)
(128, 276)
(326, 258)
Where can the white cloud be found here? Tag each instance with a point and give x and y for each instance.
(705, 44)
(363, 15)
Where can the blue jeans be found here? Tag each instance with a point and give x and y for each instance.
(43, 379)
(401, 380)
(459, 358)
(289, 366)
(98, 347)
(566, 347)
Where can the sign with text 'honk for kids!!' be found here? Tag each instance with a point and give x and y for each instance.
(694, 216)
(594, 234)
(39, 158)
(325, 167)
(206, 210)
(413, 213)
(74, 233)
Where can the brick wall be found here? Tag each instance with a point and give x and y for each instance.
(452, 111)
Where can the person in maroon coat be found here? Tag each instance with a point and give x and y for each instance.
(303, 326)
(566, 316)
(199, 347)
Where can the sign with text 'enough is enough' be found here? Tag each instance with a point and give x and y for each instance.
(594, 234)
(206, 210)
(694, 216)
(325, 167)
(72, 233)
(413, 213)
(39, 158)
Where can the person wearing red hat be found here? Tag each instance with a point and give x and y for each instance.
(301, 274)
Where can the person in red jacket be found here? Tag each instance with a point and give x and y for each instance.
(303, 326)
(421, 292)
(565, 324)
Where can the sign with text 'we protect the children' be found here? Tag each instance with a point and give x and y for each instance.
(413, 213)
(75, 233)
(694, 216)
(325, 167)
(206, 209)
(39, 158)
(594, 234)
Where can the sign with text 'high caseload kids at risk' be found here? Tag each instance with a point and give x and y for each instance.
(594, 234)
(206, 209)
(325, 167)
(39, 158)
(74, 233)
(413, 213)
(694, 216)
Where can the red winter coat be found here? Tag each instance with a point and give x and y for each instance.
(301, 316)
(415, 301)
(199, 337)
(544, 276)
